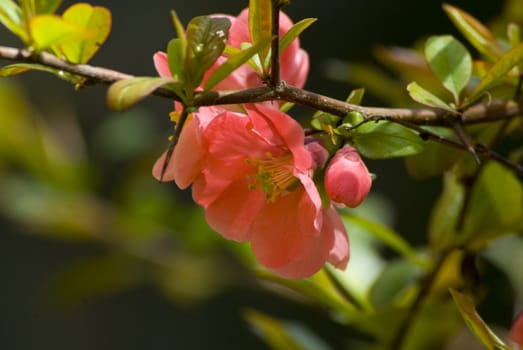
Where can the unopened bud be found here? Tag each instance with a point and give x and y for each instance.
(347, 179)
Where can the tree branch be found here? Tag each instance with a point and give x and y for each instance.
(480, 113)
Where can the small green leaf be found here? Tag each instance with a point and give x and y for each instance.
(125, 93)
(234, 62)
(11, 17)
(356, 96)
(480, 329)
(475, 32)
(420, 95)
(498, 71)
(435, 158)
(260, 23)
(19, 68)
(496, 205)
(450, 61)
(180, 30)
(95, 20)
(294, 32)
(206, 39)
(175, 57)
(382, 140)
(51, 30)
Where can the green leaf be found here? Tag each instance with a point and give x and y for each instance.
(126, 93)
(498, 71)
(496, 205)
(475, 32)
(96, 21)
(40, 7)
(180, 30)
(19, 68)
(260, 23)
(51, 30)
(206, 39)
(394, 282)
(234, 62)
(356, 96)
(480, 329)
(435, 158)
(272, 331)
(420, 95)
(445, 213)
(175, 57)
(450, 61)
(11, 17)
(383, 139)
(294, 32)
(387, 236)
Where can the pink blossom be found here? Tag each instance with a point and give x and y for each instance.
(253, 175)
(294, 61)
(347, 179)
(516, 333)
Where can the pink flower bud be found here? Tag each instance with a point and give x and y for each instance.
(516, 333)
(347, 179)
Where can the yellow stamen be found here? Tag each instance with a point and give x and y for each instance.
(272, 175)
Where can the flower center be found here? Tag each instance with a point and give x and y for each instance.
(272, 175)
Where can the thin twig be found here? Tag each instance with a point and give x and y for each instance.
(275, 44)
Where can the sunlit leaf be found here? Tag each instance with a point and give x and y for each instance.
(316, 288)
(435, 158)
(386, 236)
(50, 30)
(233, 63)
(96, 21)
(206, 39)
(11, 17)
(260, 23)
(425, 97)
(381, 140)
(496, 205)
(475, 32)
(40, 7)
(450, 61)
(480, 329)
(498, 71)
(18, 68)
(125, 93)
(294, 32)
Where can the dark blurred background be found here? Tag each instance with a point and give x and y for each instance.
(142, 317)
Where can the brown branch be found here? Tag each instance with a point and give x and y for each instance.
(480, 113)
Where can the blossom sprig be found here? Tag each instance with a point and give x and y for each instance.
(253, 171)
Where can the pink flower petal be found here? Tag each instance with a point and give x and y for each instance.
(161, 64)
(279, 236)
(516, 333)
